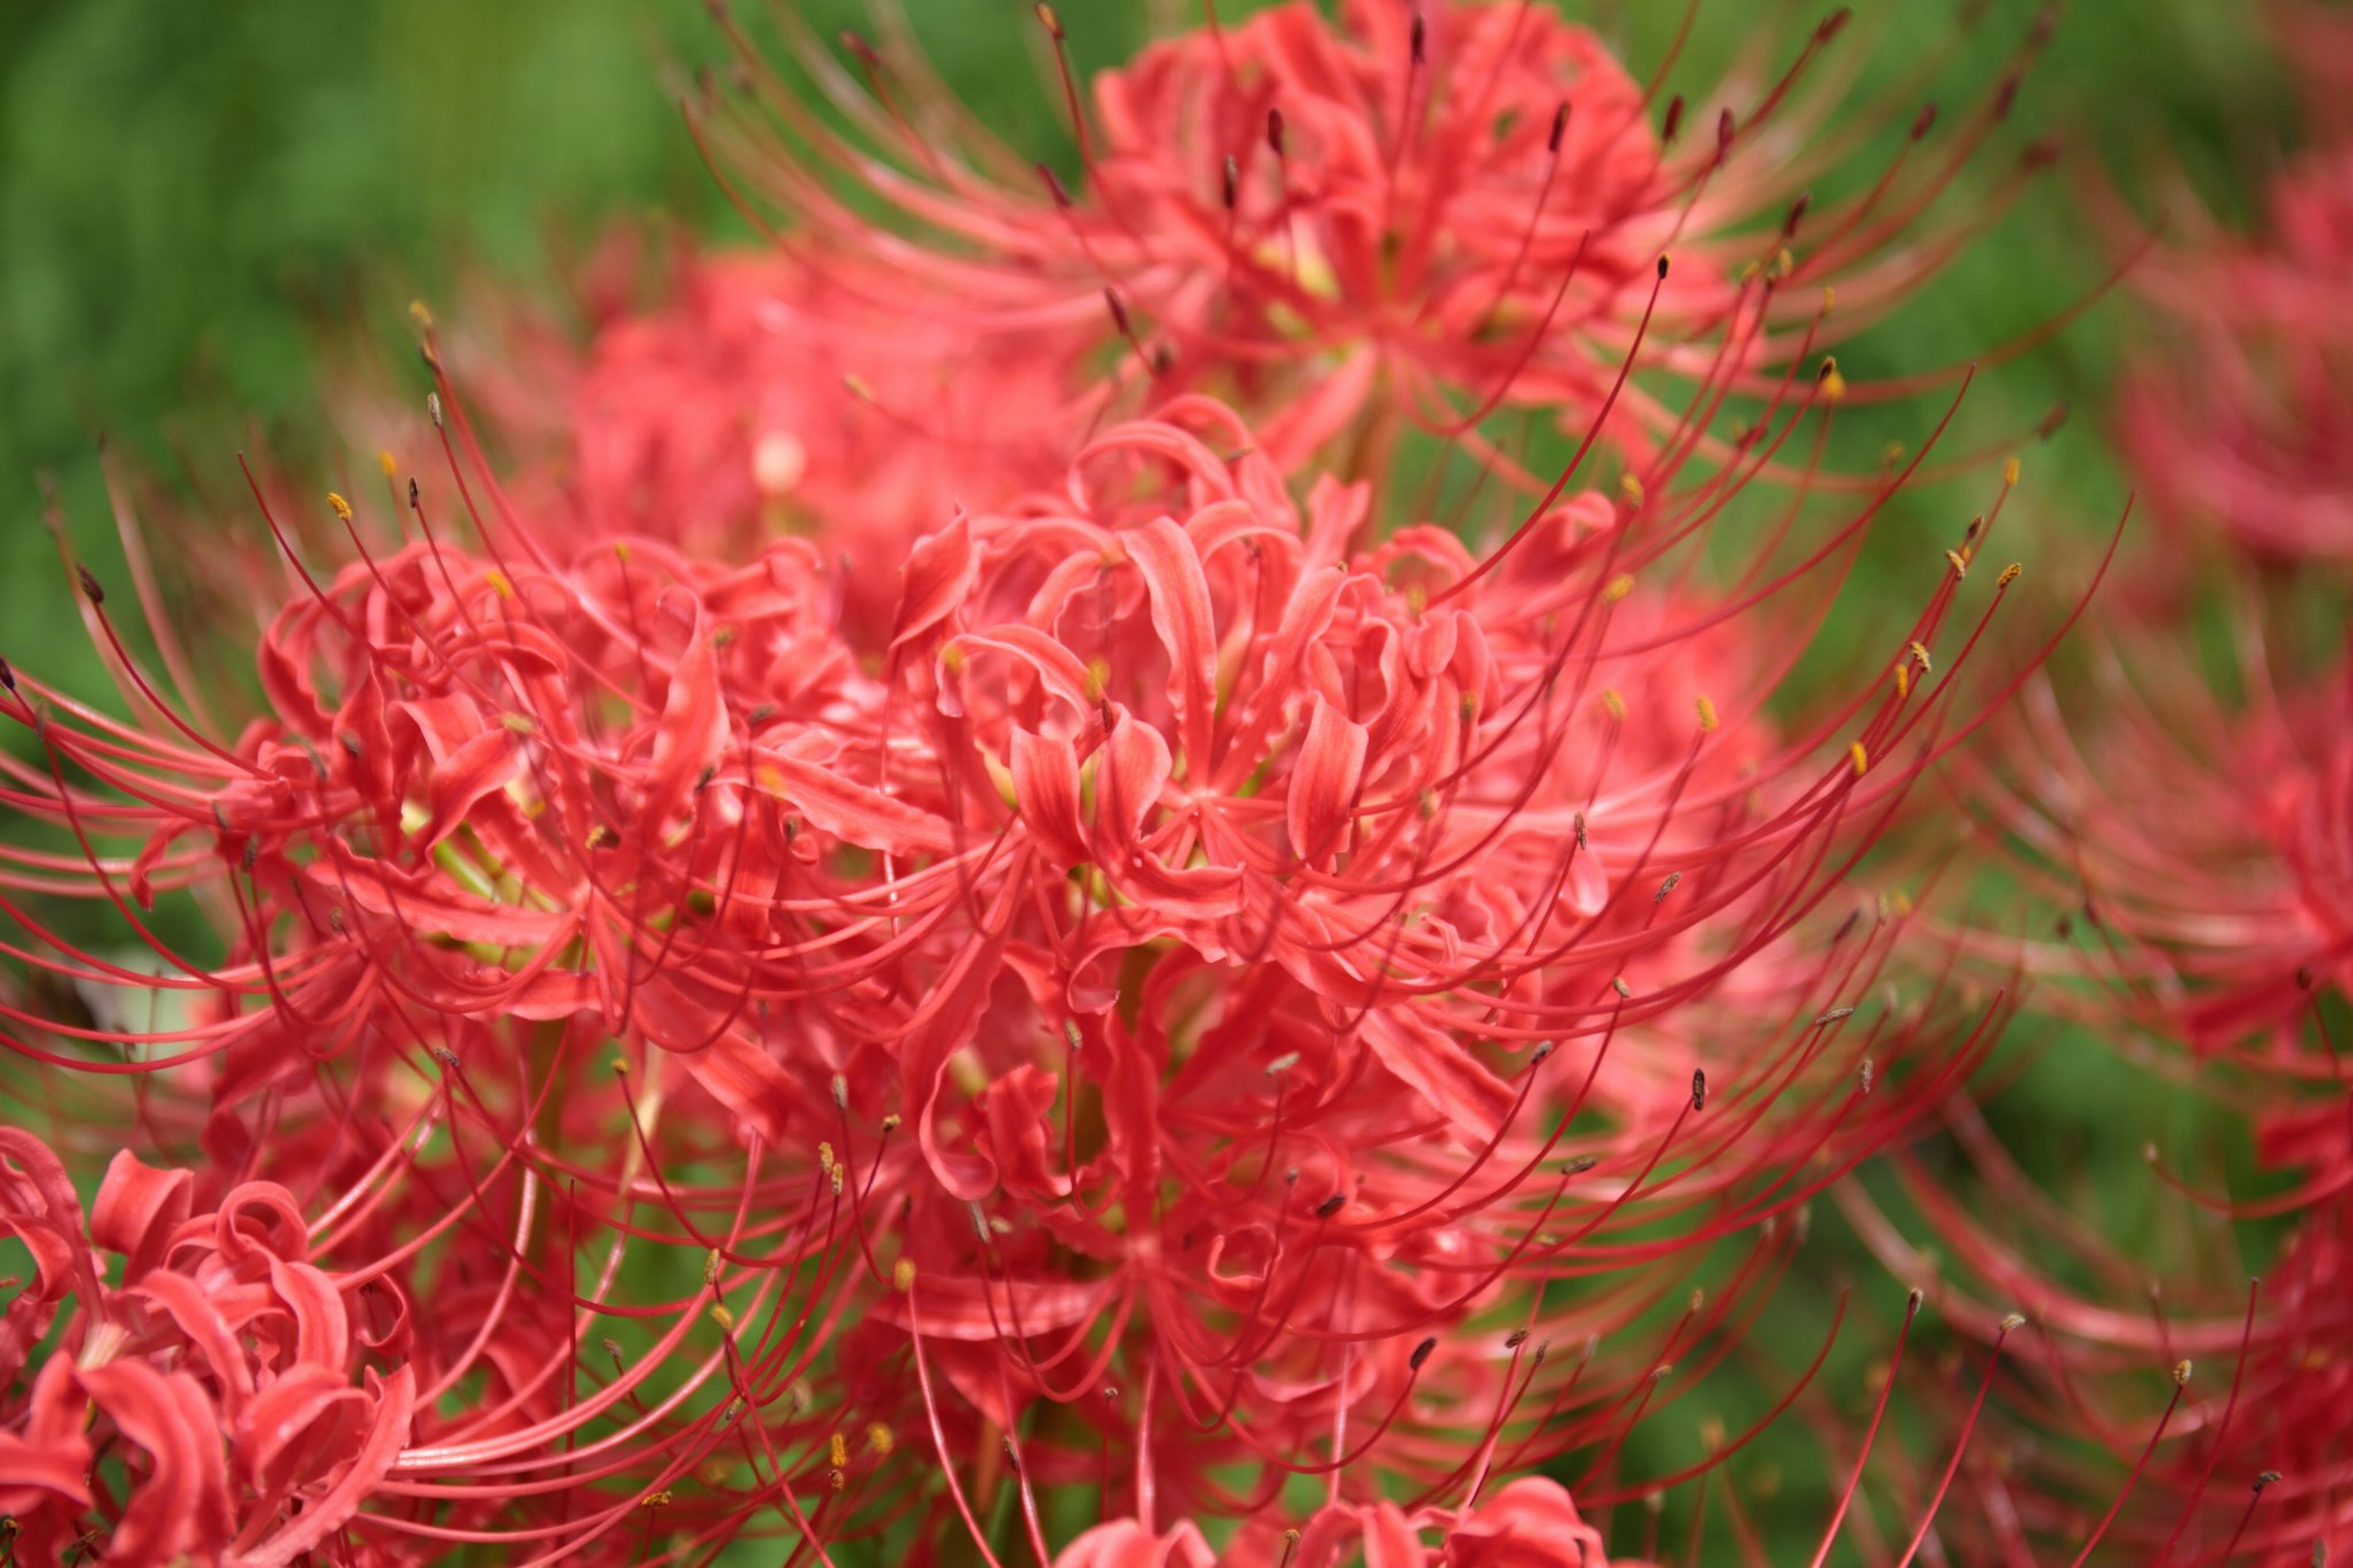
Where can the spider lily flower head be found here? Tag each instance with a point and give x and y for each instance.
(247, 1401)
(2240, 423)
(769, 395)
(1403, 216)
(2204, 839)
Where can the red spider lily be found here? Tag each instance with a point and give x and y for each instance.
(244, 1408)
(1221, 939)
(2208, 843)
(2242, 422)
(1420, 215)
(772, 396)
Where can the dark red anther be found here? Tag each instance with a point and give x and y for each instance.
(855, 42)
(1331, 1205)
(1797, 213)
(1421, 1353)
(1420, 40)
(89, 587)
(1675, 119)
(1662, 270)
(1118, 312)
(1924, 122)
(1274, 129)
(1832, 25)
(2006, 98)
(8, 676)
(2040, 154)
(412, 493)
(1559, 129)
(2051, 422)
(1725, 127)
(1699, 1088)
(1233, 182)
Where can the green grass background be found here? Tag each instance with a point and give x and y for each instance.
(192, 195)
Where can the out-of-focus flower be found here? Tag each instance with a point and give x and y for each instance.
(1409, 215)
(2242, 422)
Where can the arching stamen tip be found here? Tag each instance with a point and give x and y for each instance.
(342, 507)
(1559, 129)
(1674, 120)
(1912, 1301)
(1578, 1164)
(1421, 1353)
(1274, 129)
(2181, 1370)
(1699, 1088)
(1833, 25)
(1924, 122)
(1663, 269)
(1419, 39)
(841, 1093)
(1050, 21)
(2264, 1480)
(91, 588)
(2008, 575)
(1517, 1338)
(1331, 1205)
(1625, 992)
(2013, 1322)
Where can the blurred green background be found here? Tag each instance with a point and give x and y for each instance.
(193, 198)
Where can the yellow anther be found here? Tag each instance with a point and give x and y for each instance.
(498, 584)
(1614, 703)
(423, 316)
(1631, 486)
(838, 1450)
(836, 1480)
(655, 1500)
(2009, 575)
(621, 1066)
(1903, 680)
(1829, 298)
(1920, 652)
(1417, 599)
(2010, 474)
(825, 1156)
(879, 1440)
(1961, 566)
(1783, 264)
(711, 1262)
(383, 460)
(902, 1274)
(1708, 721)
(2181, 1375)
(723, 1316)
(1098, 679)
(1053, 25)
(953, 659)
(857, 388)
(1749, 273)
(621, 550)
(519, 723)
(1901, 902)
(1618, 588)
(835, 1176)
(1833, 383)
(341, 507)
(1861, 758)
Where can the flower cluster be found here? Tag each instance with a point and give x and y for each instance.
(918, 908)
